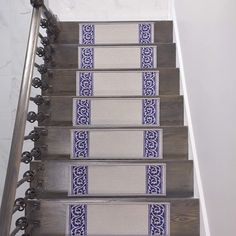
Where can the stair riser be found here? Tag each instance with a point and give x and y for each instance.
(180, 217)
(112, 143)
(173, 179)
(111, 83)
(114, 57)
(113, 111)
(105, 33)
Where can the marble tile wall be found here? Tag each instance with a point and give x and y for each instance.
(14, 25)
(110, 10)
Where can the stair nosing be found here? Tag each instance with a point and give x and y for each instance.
(138, 70)
(112, 45)
(113, 127)
(109, 199)
(116, 161)
(115, 21)
(131, 97)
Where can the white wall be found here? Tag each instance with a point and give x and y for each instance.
(207, 32)
(14, 26)
(108, 10)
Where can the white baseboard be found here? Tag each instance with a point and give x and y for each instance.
(189, 121)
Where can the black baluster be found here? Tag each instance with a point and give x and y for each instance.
(26, 157)
(29, 175)
(39, 100)
(38, 83)
(40, 117)
(42, 69)
(33, 135)
(22, 223)
(44, 23)
(20, 204)
(45, 41)
(36, 153)
(46, 53)
(31, 116)
(30, 193)
(40, 51)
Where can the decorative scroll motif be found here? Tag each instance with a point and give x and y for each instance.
(86, 58)
(145, 33)
(82, 112)
(155, 179)
(152, 143)
(147, 57)
(150, 111)
(80, 144)
(86, 84)
(78, 220)
(88, 34)
(149, 83)
(158, 219)
(79, 180)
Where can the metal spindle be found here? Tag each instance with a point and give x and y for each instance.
(39, 100)
(45, 41)
(28, 176)
(38, 83)
(42, 69)
(27, 157)
(40, 117)
(19, 205)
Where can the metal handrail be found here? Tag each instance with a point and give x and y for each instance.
(19, 128)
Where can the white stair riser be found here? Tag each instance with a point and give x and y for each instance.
(116, 112)
(120, 219)
(117, 83)
(116, 144)
(115, 33)
(121, 57)
(118, 180)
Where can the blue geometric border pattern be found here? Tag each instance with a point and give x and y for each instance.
(152, 143)
(150, 112)
(88, 34)
(86, 84)
(155, 179)
(82, 112)
(78, 220)
(145, 33)
(86, 58)
(147, 57)
(80, 144)
(158, 219)
(149, 83)
(79, 180)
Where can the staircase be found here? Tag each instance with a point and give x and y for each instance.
(111, 149)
